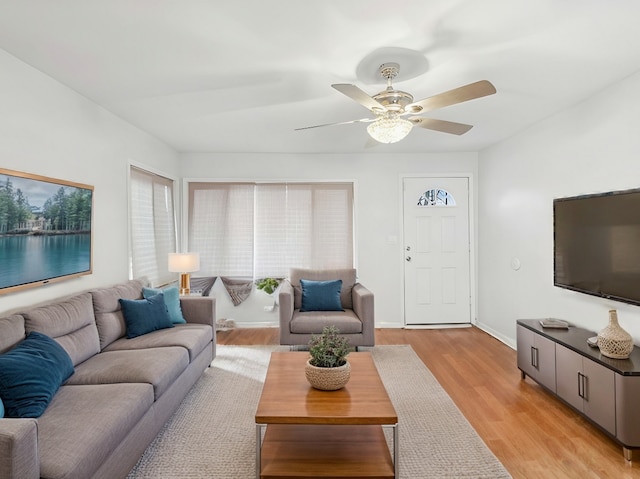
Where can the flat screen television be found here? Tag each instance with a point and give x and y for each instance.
(45, 230)
(597, 244)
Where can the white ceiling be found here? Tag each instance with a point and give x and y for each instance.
(240, 75)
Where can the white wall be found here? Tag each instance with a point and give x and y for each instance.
(378, 197)
(48, 129)
(592, 147)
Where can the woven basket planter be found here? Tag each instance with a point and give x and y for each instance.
(328, 379)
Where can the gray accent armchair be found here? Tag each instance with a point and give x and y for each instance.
(356, 322)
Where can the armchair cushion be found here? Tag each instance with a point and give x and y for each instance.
(321, 295)
(314, 322)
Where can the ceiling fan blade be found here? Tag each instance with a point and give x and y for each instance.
(440, 125)
(360, 96)
(362, 120)
(457, 95)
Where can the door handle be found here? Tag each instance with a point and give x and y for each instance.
(408, 258)
(582, 386)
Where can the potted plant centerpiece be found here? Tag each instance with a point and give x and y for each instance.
(327, 368)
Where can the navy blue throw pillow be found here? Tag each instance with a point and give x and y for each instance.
(141, 316)
(31, 374)
(321, 295)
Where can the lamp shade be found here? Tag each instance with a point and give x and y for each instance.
(389, 129)
(184, 262)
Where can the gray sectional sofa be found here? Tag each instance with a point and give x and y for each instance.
(121, 393)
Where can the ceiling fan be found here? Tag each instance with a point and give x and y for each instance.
(391, 105)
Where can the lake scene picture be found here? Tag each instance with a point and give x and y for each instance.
(45, 230)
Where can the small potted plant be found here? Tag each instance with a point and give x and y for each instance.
(327, 368)
(268, 285)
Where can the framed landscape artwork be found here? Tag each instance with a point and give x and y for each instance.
(45, 230)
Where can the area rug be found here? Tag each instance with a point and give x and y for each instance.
(212, 434)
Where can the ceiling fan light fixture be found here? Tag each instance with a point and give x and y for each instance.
(389, 129)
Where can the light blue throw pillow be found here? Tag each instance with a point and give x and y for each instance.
(171, 300)
(321, 295)
(142, 316)
(30, 375)
(1, 409)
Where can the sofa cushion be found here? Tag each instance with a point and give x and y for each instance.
(142, 316)
(71, 322)
(171, 299)
(348, 277)
(67, 448)
(11, 332)
(314, 321)
(156, 366)
(321, 295)
(31, 373)
(108, 312)
(193, 337)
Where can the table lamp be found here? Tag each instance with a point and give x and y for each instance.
(184, 263)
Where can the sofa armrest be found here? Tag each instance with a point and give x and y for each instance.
(285, 310)
(19, 449)
(285, 303)
(199, 309)
(363, 306)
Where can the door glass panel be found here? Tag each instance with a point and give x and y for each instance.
(436, 197)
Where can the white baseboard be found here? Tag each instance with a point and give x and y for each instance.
(259, 324)
(388, 325)
(500, 337)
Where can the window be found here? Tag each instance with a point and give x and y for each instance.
(259, 230)
(436, 197)
(153, 229)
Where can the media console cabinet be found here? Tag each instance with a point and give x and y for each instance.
(605, 391)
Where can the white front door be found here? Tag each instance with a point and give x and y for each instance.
(437, 268)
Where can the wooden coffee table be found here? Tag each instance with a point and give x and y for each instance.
(313, 433)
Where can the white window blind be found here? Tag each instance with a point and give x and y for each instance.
(270, 227)
(221, 228)
(153, 230)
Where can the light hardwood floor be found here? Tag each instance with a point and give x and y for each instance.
(531, 432)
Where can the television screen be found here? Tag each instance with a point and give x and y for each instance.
(45, 230)
(597, 244)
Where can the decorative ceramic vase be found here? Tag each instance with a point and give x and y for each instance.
(613, 341)
(328, 379)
